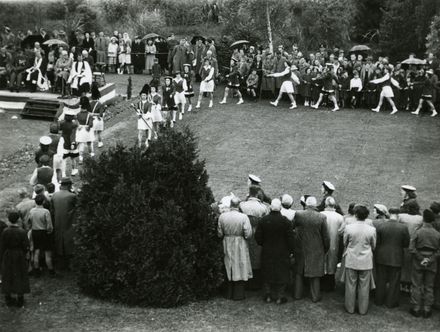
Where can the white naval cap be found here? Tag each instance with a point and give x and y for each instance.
(407, 187)
(45, 140)
(329, 185)
(254, 178)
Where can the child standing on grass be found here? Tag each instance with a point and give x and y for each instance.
(13, 247)
(252, 83)
(41, 225)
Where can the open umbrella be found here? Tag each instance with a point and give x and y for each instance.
(239, 42)
(360, 48)
(151, 36)
(195, 38)
(51, 42)
(413, 61)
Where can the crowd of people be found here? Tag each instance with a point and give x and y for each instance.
(270, 246)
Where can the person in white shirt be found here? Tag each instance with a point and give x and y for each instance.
(355, 89)
(288, 84)
(387, 91)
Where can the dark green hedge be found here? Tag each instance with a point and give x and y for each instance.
(146, 234)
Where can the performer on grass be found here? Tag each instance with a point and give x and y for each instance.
(429, 84)
(189, 93)
(180, 87)
(168, 100)
(156, 110)
(207, 84)
(289, 78)
(145, 123)
(327, 78)
(97, 110)
(85, 133)
(234, 78)
(68, 133)
(387, 92)
(80, 78)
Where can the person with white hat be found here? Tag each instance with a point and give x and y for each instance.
(68, 132)
(429, 90)
(275, 235)
(286, 210)
(44, 149)
(334, 224)
(254, 180)
(327, 190)
(313, 242)
(409, 195)
(255, 209)
(290, 80)
(234, 228)
(382, 214)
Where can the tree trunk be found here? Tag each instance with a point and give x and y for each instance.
(269, 29)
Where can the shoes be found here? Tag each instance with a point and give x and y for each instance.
(92, 154)
(427, 314)
(100, 144)
(335, 109)
(180, 116)
(375, 110)
(316, 106)
(210, 104)
(189, 108)
(198, 105)
(306, 103)
(74, 172)
(240, 102)
(267, 299)
(80, 159)
(434, 113)
(172, 124)
(223, 101)
(416, 112)
(414, 312)
(394, 111)
(10, 301)
(281, 300)
(293, 106)
(274, 103)
(20, 302)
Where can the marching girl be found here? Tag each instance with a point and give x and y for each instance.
(327, 78)
(233, 83)
(98, 110)
(387, 93)
(84, 132)
(145, 120)
(189, 93)
(429, 86)
(156, 110)
(289, 78)
(180, 87)
(207, 84)
(168, 100)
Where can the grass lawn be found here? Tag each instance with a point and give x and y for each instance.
(367, 156)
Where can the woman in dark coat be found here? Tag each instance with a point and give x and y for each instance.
(14, 244)
(275, 234)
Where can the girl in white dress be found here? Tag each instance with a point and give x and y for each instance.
(156, 110)
(387, 92)
(145, 119)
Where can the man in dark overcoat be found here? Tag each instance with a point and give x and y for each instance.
(313, 243)
(274, 233)
(392, 238)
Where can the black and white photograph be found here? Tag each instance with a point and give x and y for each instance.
(219, 165)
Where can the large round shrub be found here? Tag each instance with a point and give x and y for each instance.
(145, 233)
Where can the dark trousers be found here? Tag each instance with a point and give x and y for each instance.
(422, 289)
(315, 284)
(437, 286)
(328, 283)
(255, 283)
(235, 290)
(390, 275)
(15, 79)
(275, 291)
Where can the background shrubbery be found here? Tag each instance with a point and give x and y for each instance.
(146, 234)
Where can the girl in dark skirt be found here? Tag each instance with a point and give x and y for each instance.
(189, 93)
(14, 245)
(168, 100)
(305, 86)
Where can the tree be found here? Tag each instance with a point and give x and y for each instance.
(146, 233)
(433, 37)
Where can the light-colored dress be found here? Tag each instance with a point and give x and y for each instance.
(150, 52)
(234, 227)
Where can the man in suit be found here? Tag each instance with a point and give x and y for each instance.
(313, 243)
(275, 235)
(64, 204)
(425, 250)
(435, 207)
(392, 238)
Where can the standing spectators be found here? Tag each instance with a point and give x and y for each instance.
(275, 235)
(359, 242)
(392, 239)
(112, 54)
(101, 46)
(234, 228)
(313, 244)
(138, 55)
(150, 55)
